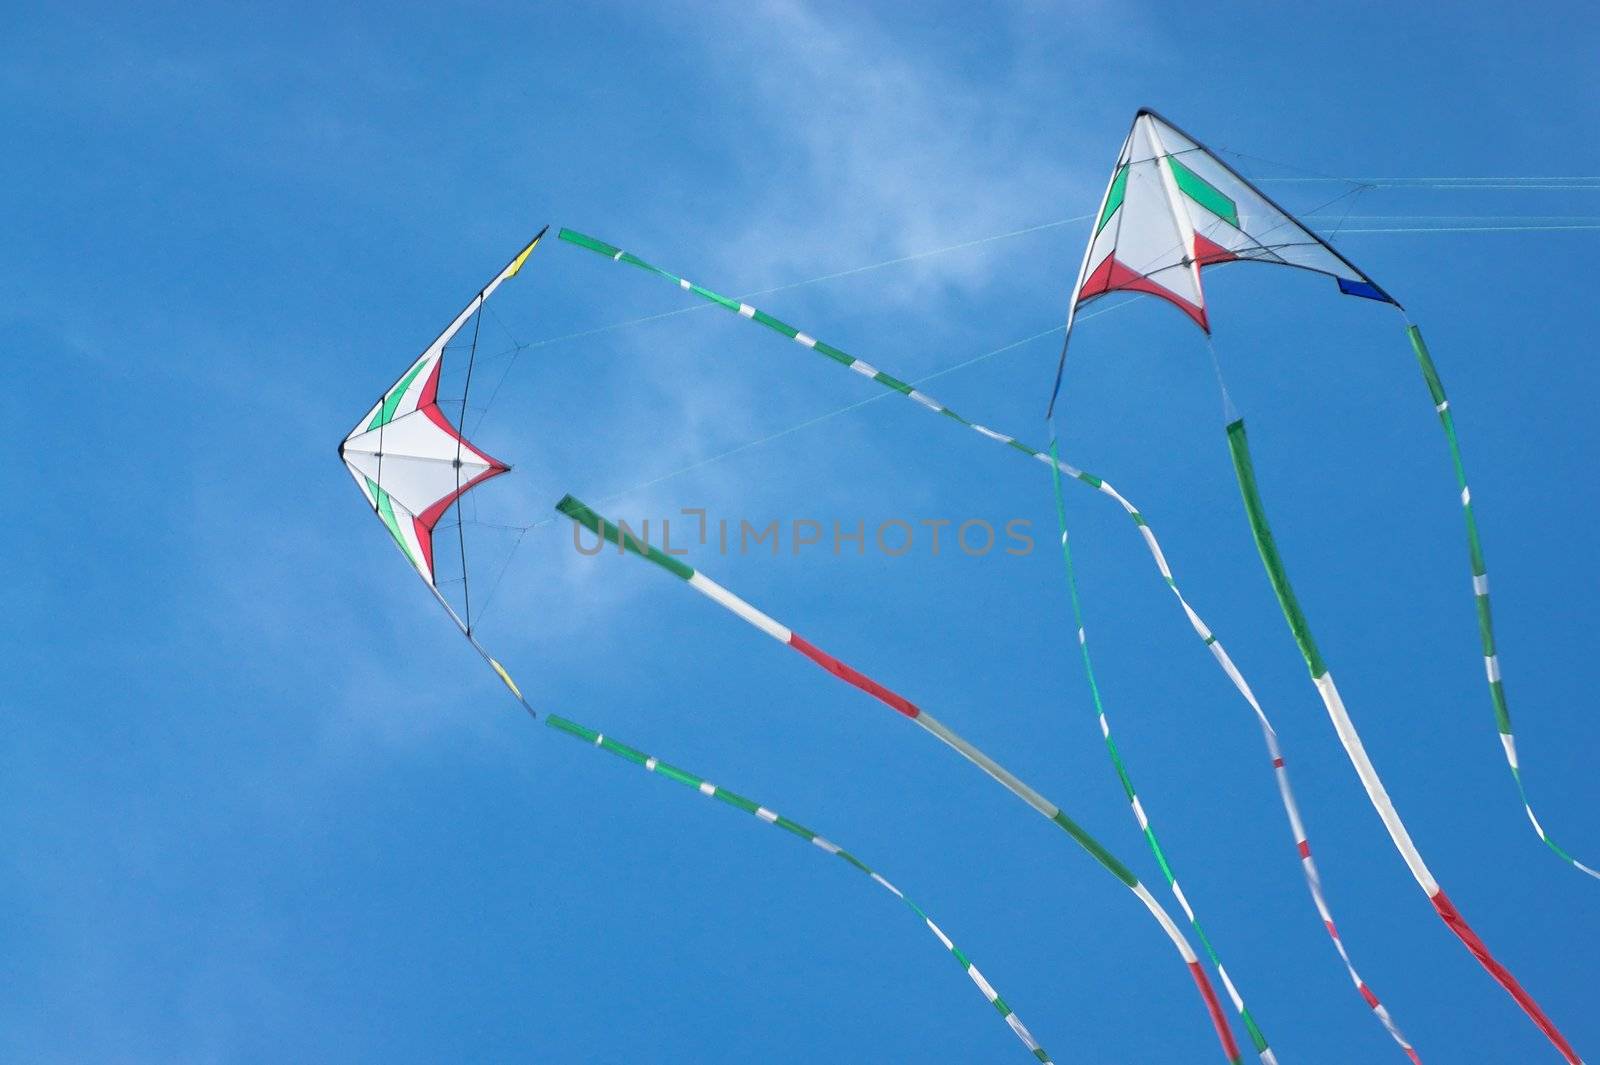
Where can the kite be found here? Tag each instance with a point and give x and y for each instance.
(609, 532)
(412, 465)
(1354, 283)
(1171, 208)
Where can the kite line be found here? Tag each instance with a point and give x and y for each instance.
(1354, 224)
(609, 532)
(1147, 533)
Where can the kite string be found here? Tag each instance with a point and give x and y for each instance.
(834, 276)
(1559, 224)
(1230, 413)
(517, 348)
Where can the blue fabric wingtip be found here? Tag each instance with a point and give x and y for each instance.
(1365, 289)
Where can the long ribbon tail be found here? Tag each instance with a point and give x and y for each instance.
(805, 340)
(843, 358)
(1480, 595)
(1377, 794)
(671, 772)
(739, 802)
(1140, 815)
(1280, 769)
(609, 532)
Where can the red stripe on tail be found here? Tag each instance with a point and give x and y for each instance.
(1219, 1020)
(1502, 975)
(851, 676)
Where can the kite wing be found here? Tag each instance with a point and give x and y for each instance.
(406, 457)
(1173, 207)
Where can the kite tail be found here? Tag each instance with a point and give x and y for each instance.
(1480, 594)
(1146, 827)
(1377, 794)
(622, 750)
(739, 802)
(887, 381)
(1280, 769)
(609, 532)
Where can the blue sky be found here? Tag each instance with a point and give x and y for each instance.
(261, 804)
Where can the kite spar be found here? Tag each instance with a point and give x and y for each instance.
(412, 465)
(1172, 207)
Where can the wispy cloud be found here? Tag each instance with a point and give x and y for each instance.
(891, 152)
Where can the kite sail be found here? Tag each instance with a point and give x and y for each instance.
(410, 462)
(412, 465)
(1170, 208)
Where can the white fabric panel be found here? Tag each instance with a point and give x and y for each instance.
(419, 436)
(1147, 235)
(413, 483)
(1151, 233)
(728, 601)
(1004, 776)
(1376, 792)
(1263, 224)
(1160, 914)
(404, 519)
(424, 367)
(361, 482)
